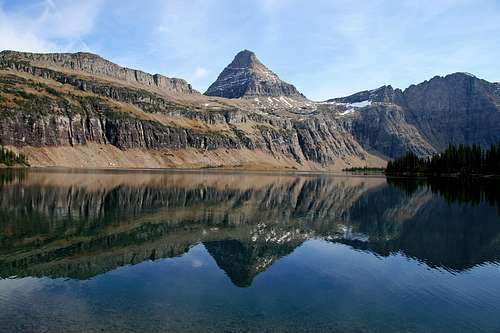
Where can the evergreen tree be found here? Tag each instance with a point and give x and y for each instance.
(9, 158)
(461, 159)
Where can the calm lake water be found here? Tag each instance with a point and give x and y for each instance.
(230, 252)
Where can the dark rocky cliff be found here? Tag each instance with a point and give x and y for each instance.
(457, 108)
(425, 118)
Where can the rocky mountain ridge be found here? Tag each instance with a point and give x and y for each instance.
(61, 117)
(80, 110)
(95, 65)
(458, 108)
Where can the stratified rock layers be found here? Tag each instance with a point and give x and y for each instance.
(80, 110)
(54, 115)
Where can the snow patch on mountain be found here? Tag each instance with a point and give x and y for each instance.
(346, 112)
(361, 104)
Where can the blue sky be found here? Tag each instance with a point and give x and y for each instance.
(327, 48)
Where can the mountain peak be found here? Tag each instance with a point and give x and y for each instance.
(245, 58)
(246, 76)
(460, 75)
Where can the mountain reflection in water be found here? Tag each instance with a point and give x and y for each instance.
(82, 224)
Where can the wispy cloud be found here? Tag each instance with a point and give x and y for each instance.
(182, 29)
(326, 48)
(48, 25)
(200, 73)
(271, 6)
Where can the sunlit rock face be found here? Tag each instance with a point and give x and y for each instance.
(80, 110)
(93, 64)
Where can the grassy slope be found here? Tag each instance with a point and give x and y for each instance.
(22, 91)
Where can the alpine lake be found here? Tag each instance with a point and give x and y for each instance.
(214, 251)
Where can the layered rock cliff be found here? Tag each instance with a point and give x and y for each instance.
(80, 110)
(425, 118)
(84, 62)
(67, 117)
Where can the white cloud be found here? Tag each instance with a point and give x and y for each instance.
(48, 26)
(68, 19)
(200, 73)
(183, 30)
(187, 40)
(270, 6)
(14, 38)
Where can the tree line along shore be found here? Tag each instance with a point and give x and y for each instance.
(455, 160)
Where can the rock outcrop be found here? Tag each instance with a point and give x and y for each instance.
(246, 76)
(384, 94)
(84, 62)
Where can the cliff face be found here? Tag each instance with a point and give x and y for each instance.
(80, 110)
(68, 118)
(92, 64)
(385, 128)
(425, 118)
(458, 108)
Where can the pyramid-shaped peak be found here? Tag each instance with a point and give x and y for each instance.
(245, 53)
(246, 76)
(245, 59)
